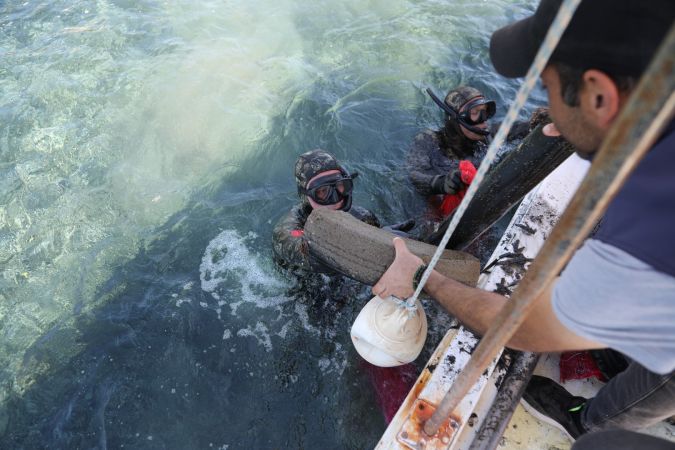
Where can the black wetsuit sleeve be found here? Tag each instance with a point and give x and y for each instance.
(421, 170)
(365, 216)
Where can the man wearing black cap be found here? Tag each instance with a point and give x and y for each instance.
(618, 291)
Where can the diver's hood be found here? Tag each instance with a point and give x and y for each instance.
(312, 163)
(458, 98)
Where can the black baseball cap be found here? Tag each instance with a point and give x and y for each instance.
(618, 37)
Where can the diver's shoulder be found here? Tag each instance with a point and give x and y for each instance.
(425, 141)
(427, 135)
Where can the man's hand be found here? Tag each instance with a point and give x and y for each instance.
(398, 279)
(551, 130)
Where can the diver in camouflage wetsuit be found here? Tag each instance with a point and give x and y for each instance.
(442, 163)
(322, 183)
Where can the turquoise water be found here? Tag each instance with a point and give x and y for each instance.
(146, 151)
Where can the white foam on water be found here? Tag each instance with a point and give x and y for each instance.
(234, 306)
(260, 333)
(301, 311)
(335, 362)
(284, 330)
(235, 276)
(226, 259)
(324, 364)
(340, 360)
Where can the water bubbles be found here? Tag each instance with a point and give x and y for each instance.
(260, 333)
(228, 264)
(233, 276)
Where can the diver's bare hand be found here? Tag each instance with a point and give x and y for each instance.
(398, 279)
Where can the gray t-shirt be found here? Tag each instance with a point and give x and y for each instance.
(608, 296)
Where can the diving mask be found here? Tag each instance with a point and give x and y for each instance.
(330, 189)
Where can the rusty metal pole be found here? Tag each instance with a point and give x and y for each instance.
(648, 111)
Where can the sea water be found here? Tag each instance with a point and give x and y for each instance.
(146, 151)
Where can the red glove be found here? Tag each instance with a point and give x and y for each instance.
(450, 202)
(468, 171)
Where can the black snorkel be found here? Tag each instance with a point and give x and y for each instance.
(459, 117)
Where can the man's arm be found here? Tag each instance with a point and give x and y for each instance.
(421, 171)
(477, 309)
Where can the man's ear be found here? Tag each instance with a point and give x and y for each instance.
(600, 98)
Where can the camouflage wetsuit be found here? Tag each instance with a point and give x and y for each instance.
(291, 249)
